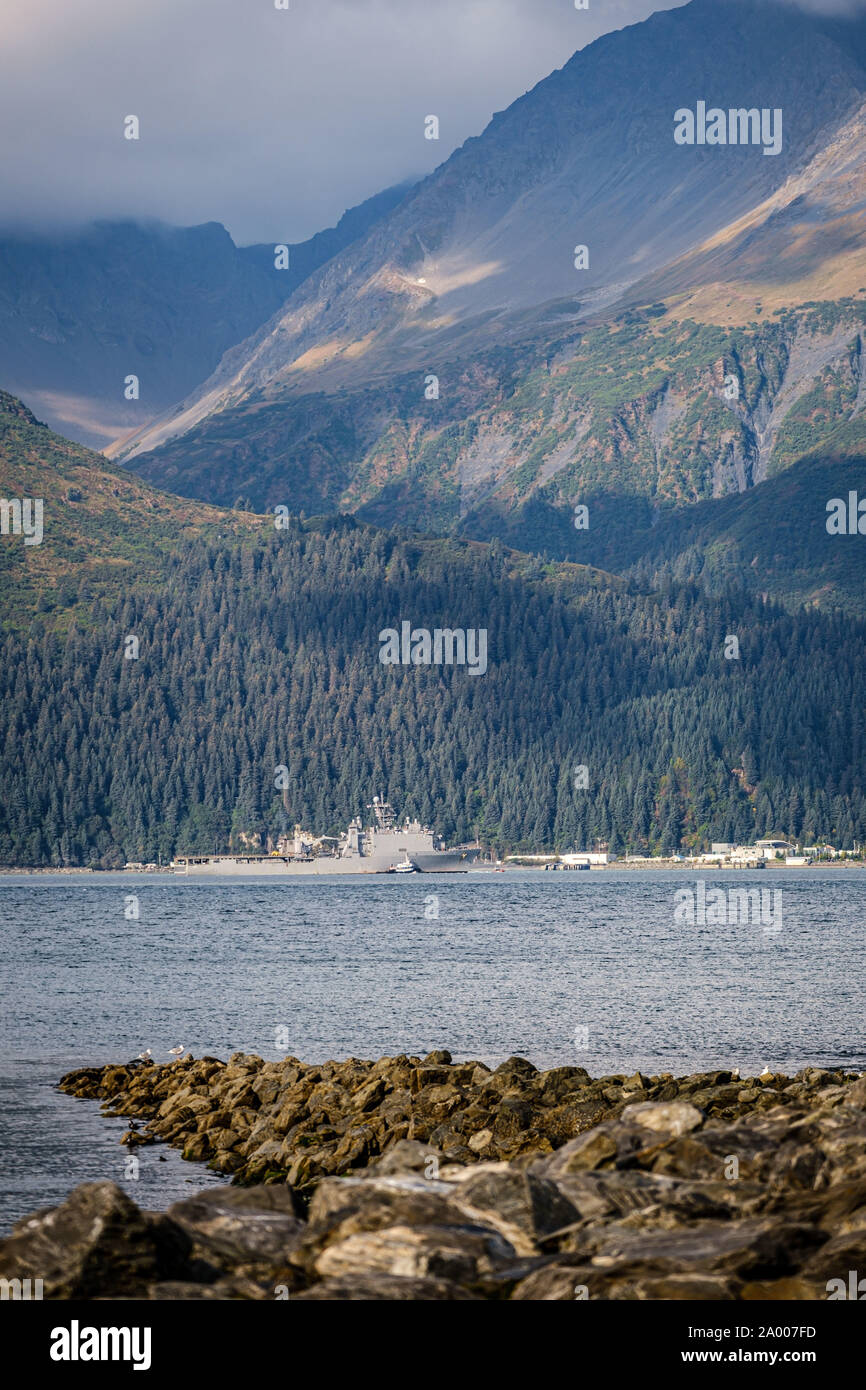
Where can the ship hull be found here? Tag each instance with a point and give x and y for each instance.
(447, 861)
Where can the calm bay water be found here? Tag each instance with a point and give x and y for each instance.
(566, 968)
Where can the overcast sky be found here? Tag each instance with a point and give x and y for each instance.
(272, 122)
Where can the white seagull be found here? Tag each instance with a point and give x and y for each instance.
(735, 1074)
(145, 1056)
(766, 1072)
(176, 1052)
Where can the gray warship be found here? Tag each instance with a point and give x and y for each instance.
(379, 848)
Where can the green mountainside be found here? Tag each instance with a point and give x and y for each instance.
(258, 648)
(637, 420)
(104, 530)
(773, 540)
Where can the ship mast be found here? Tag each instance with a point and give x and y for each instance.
(383, 813)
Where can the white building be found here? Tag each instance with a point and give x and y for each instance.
(770, 848)
(737, 855)
(593, 856)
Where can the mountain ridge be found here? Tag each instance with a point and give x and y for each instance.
(586, 156)
(83, 309)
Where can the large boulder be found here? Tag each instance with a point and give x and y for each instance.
(241, 1226)
(669, 1118)
(96, 1244)
(462, 1254)
(531, 1203)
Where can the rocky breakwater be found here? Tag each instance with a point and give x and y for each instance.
(414, 1178)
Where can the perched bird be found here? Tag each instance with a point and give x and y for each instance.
(735, 1074)
(145, 1056)
(766, 1072)
(176, 1052)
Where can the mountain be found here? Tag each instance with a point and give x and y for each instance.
(667, 433)
(260, 655)
(103, 529)
(714, 371)
(307, 256)
(258, 648)
(482, 253)
(806, 241)
(634, 419)
(773, 541)
(82, 310)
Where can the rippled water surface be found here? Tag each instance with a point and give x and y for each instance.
(589, 968)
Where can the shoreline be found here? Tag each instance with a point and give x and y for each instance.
(687, 866)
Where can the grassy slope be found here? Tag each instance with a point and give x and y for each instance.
(104, 529)
(107, 532)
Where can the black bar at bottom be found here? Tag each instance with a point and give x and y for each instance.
(185, 1341)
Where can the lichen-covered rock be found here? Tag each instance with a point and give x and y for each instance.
(462, 1254)
(664, 1117)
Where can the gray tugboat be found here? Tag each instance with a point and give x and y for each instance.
(380, 848)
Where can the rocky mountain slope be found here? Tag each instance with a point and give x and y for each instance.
(82, 310)
(634, 419)
(483, 251)
(806, 241)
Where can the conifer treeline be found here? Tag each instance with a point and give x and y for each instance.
(259, 655)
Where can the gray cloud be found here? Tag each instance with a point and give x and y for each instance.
(272, 122)
(832, 8)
